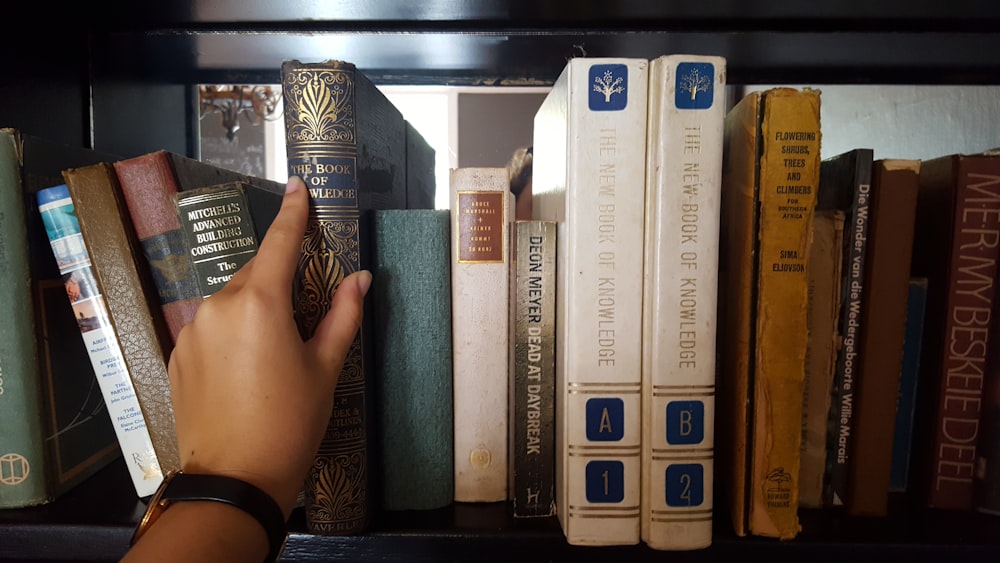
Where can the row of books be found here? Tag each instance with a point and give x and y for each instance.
(810, 262)
(141, 242)
(584, 358)
(684, 240)
(106, 260)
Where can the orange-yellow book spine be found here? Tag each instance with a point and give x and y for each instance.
(788, 178)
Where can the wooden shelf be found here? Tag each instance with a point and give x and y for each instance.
(94, 522)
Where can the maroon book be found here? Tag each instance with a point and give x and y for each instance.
(149, 183)
(956, 247)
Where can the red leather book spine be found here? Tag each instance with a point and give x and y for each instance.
(149, 183)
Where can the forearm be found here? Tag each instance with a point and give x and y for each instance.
(201, 531)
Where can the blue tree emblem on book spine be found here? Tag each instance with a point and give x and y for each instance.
(608, 87)
(695, 86)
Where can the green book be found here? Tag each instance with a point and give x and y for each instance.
(411, 303)
(54, 425)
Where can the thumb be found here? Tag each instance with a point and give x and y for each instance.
(336, 332)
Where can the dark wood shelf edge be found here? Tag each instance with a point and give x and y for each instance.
(95, 520)
(37, 542)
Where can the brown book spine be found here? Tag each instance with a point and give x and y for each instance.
(768, 204)
(139, 327)
(787, 195)
(149, 184)
(821, 355)
(883, 328)
(959, 243)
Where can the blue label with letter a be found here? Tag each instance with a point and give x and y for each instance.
(685, 484)
(685, 422)
(605, 420)
(608, 87)
(605, 481)
(694, 86)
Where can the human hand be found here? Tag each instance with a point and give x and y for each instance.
(251, 399)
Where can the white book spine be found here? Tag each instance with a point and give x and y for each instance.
(680, 296)
(589, 175)
(481, 207)
(102, 345)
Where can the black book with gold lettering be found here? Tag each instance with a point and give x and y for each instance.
(222, 226)
(347, 142)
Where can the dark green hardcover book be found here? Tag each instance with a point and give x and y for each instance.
(845, 184)
(421, 187)
(222, 227)
(411, 301)
(54, 425)
(347, 141)
(532, 455)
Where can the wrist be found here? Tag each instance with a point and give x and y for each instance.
(283, 495)
(179, 487)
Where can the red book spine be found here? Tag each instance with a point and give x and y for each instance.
(148, 183)
(969, 296)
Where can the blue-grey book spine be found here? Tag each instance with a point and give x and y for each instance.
(902, 439)
(411, 301)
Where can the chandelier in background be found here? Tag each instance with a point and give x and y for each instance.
(258, 103)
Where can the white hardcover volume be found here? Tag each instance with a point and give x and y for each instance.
(481, 207)
(63, 231)
(680, 296)
(589, 176)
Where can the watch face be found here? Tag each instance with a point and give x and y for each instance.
(157, 504)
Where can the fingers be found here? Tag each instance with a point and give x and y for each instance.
(338, 328)
(277, 257)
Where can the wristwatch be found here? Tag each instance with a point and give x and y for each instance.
(178, 486)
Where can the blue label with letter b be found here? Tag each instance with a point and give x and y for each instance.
(685, 422)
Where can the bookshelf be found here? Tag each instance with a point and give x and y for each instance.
(124, 81)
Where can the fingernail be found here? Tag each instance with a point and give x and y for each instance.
(294, 184)
(364, 282)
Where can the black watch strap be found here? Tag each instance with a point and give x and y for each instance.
(235, 492)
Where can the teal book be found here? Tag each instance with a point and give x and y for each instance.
(54, 426)
(411, 302)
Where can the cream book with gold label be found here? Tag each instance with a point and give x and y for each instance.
(481, 207)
